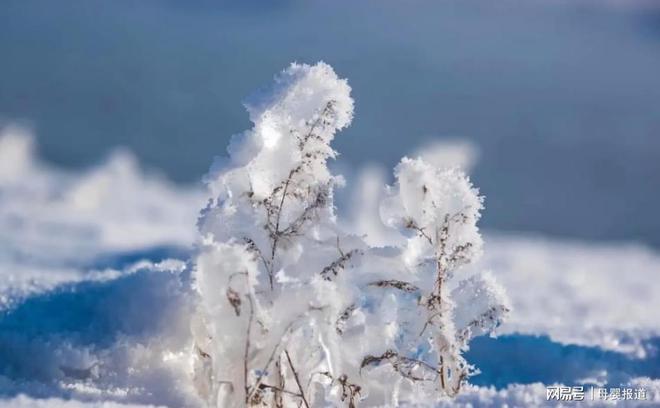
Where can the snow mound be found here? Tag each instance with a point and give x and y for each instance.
(123, 339)
(23, 401)
(57, 226)
(579, 293)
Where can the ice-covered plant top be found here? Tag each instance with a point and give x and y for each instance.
(293, 311)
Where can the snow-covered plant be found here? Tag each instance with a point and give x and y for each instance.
(441, 209)
(294, 311)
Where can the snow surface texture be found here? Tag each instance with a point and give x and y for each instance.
(90, 313)
(531, 395)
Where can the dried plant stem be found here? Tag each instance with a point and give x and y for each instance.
(279, 398)
(274, 352)
(277, 233)
(248, 336)
(278, 389)
(295, 376)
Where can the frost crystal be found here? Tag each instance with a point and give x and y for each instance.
(292, 310)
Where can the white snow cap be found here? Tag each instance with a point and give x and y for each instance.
(297, 94)
(426, 193)
(303, 97)
(426, 200)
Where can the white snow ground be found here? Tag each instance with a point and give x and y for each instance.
(92, 315)
(602, 295)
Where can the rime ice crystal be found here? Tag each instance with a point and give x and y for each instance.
(293, 310)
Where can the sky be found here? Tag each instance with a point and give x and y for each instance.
(560, 99)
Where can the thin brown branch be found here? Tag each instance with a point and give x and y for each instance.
(343, 317)
(489, 315)
(401, 364)
(235, 300)
(411, 224)
(295, 376)
(232, 295)
(348, 390)
(278, 389)
(252, 247)
(248, 336)
(278, 397)
(338, 264)
(276, 347)
(396, 284)
(320, 120)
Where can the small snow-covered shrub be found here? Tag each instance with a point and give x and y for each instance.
(292, 310)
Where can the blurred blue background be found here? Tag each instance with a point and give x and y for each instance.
(562, 99)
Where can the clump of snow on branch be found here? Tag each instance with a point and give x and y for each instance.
(294, 310)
